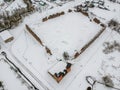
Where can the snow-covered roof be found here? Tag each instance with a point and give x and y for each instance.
(5, 35)
(17, 4)
(59, 67)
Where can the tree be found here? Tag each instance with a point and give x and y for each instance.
(108, 82)
(89, 88)
(1, 85)
(7, 0)
(66, 56)
(113, 1)
(113, 24)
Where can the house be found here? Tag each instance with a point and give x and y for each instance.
(60, 70)
(6, 36)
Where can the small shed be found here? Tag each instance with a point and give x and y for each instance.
(59, 70)
(6, 36)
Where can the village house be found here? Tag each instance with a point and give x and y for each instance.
(60, 70)
(6, 36)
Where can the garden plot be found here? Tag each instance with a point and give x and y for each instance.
(67, 33)
(11, 81)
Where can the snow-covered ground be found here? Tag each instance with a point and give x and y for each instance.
(65, 33)
(100, 65)
(112, 13)
(10, 79)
